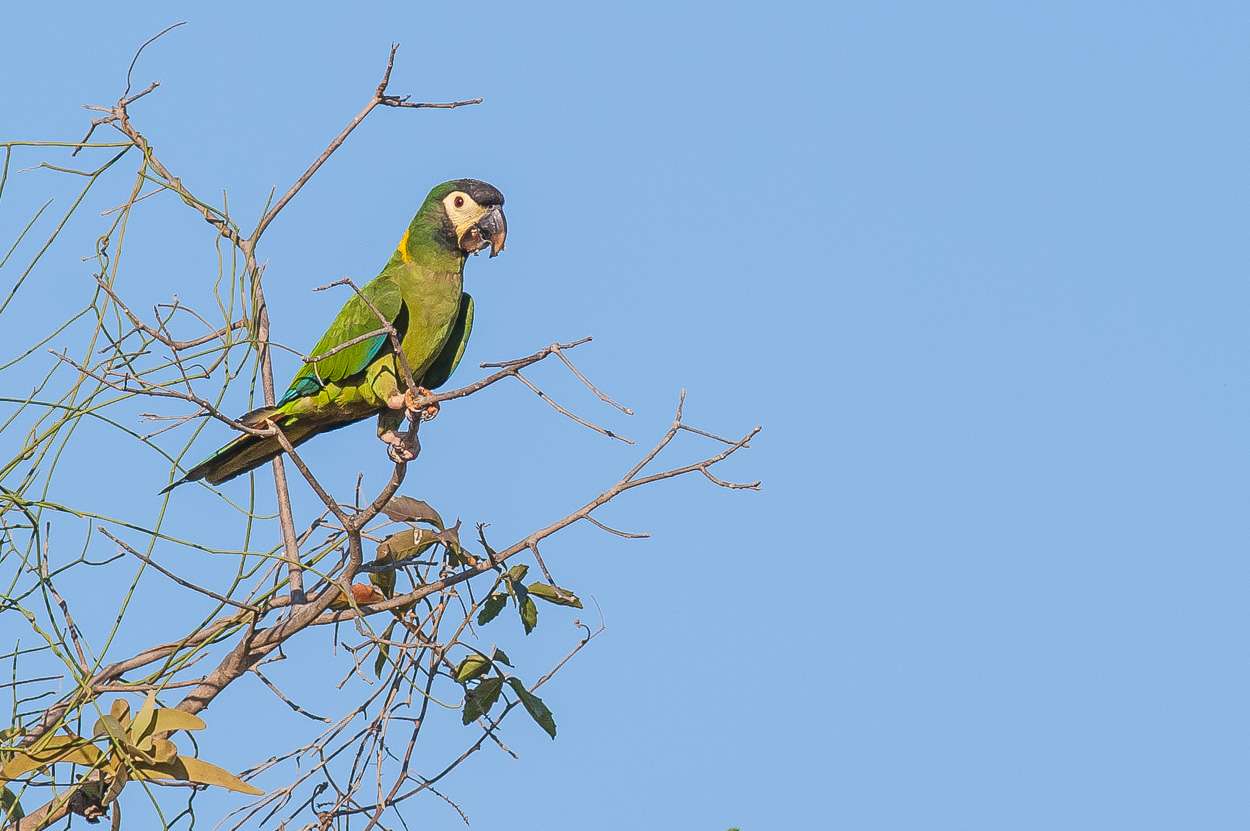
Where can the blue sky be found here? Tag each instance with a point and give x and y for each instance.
(979, 269)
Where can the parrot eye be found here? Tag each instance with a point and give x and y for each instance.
(459, 201)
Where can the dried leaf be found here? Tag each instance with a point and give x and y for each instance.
(121, 711)
(118, 782)
(164, 751)
(456, 555)
(553, 594)
(169, 719)
(407, 509)
(142, 723)
(190, 769)
(50, 751)
(534, 706)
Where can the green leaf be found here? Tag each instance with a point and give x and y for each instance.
(529, 614)
(560, 597)
(491, 608)
(479, 700)
(407, 509)
(385, 581)
(379, 663)
(168, 719)
(384, 651)
(534, 706)
(473, 666)
(517, 573)
(411, 542)
(109, 726)
(499, 655)
(10, 808)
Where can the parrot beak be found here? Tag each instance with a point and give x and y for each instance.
(490, 230)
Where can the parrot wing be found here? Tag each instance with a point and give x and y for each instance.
(355, 320)
(445, 364)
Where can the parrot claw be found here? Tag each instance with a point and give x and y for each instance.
(400, 454)
(401, 447)
(419, 413)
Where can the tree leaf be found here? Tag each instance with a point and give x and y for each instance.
(190, 769)
(142, 723)
(121, 711)
(402, 545)
(473, 666)
(169, 719)
(517, 573)
(529, 614)
(379, 663)
(384, 651)
(407, 509)
(456, 555)
(385, 581)
(107, 725)
(10, 807)
(499, 655)
(553, 595)
(491, 608)
(50, 751)
(534, 706)
(118, 782)
(164, 751)
(479, 700)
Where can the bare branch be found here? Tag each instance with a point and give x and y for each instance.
(379, 97)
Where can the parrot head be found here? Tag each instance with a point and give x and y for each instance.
(472, 214)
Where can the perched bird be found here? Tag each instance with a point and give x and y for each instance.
(419, 292)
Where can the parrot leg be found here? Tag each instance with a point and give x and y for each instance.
(400, 446)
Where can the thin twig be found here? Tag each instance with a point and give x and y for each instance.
(180, 581)
(584, 380)
(624, 534)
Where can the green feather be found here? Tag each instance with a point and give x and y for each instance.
(419, 293)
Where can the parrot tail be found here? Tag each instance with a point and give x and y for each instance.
(249, 452)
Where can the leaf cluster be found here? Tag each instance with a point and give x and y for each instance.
(121, 748)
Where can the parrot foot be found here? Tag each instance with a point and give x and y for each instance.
(401, 447)
(422, 413)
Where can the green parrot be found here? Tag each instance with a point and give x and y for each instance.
(420, 294)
